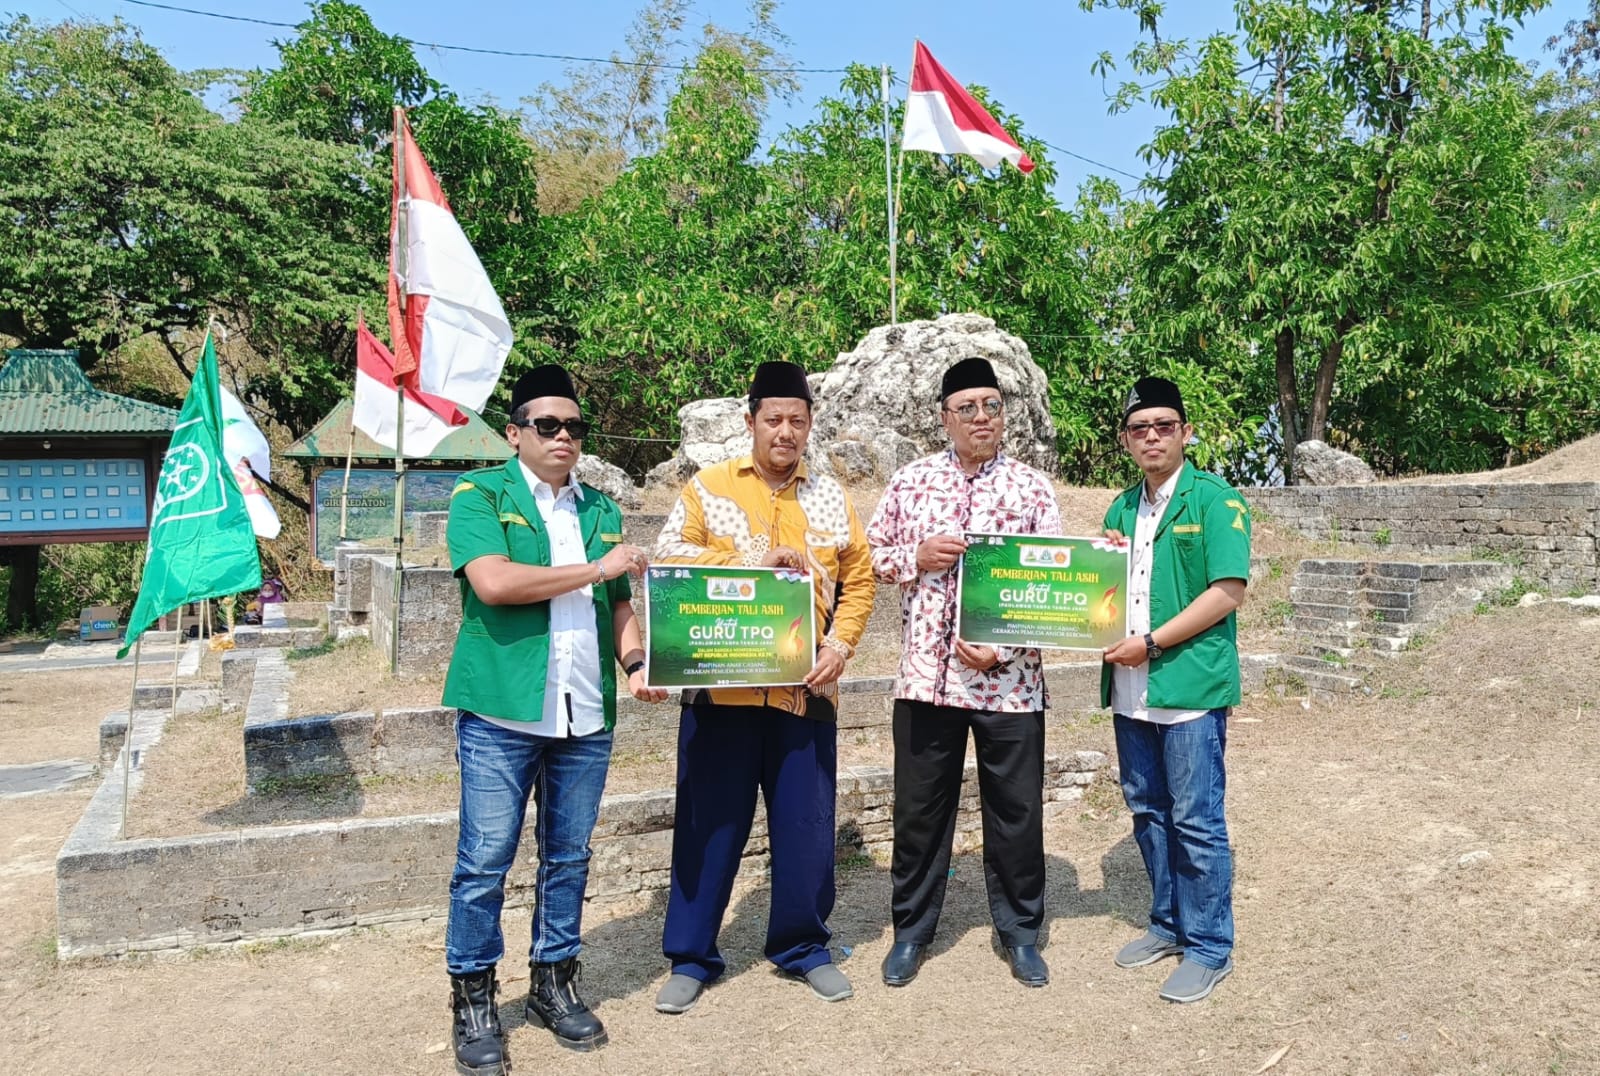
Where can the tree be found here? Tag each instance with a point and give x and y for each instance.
(127, 208)
(587, 129)
(1343, 198)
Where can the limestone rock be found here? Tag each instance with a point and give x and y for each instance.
(670, 474)
(877, 407)
(885, 393)
(851, 460)
(713, 430)
(1317, 463)
(609, 479)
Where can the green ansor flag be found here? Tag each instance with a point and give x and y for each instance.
(201, 542)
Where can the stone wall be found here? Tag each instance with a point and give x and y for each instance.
(430, 612)
(1551, 532)
(116, 897)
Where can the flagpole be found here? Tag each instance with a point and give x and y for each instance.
(889, 196)
(402, 238)
(127, 736)
(350, 450)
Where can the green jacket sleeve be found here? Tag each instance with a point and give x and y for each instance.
(1227, 531)
(474, 528)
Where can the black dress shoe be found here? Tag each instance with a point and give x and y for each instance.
(902, 963)
(1027, 966)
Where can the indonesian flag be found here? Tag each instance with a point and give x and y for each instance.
(942, 117)
(453, 337)
(245, 448)
(429, 419)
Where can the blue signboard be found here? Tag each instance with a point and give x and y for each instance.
(71, 495)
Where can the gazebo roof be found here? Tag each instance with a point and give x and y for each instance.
(44, 393)
(476, 442)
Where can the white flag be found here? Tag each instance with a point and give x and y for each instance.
(246, 450)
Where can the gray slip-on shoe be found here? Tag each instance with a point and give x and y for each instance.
(678, 994)
(1192, 982)
(1146, 950)
(829, 983)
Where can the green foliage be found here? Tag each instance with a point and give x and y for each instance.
(1382, 536)
(1345, 228)
(127, 208)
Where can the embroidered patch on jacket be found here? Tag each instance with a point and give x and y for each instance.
(1187, 528)
(1240, 511)
(512, 517)
(462, 488)
(612, 538)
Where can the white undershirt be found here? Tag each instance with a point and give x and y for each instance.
(572, 675)
(1130, 685)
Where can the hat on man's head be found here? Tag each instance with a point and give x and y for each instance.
(1153, 392)
(967, 374)
(780, 380)
(541, 381)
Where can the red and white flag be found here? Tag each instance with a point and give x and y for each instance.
(429, 419)
(453, 336)
(942, 117)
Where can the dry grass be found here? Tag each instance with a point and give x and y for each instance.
(355, 676)
(1365, 946)
(1575, 462)
(56, 715)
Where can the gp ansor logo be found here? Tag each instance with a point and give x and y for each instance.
(1045, 556)
(729, 588)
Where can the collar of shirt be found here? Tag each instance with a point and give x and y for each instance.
(1163, 494)
(983, 468)
(542, 491)
(747, 462)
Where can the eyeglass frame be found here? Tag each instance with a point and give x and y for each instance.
(993, 407)
(577, 428)
(1139, 431)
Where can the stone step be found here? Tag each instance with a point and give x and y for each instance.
(1309, 595)
(1311, 627)
(1334, 567)
(1325, 680)
(1327, 612)
(1309, 663)
(1390, 599)
(1343, 584)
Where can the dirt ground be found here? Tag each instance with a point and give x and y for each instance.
(1575, 462)
(1372, 938)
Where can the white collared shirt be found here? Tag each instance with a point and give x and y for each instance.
(573, 703)
(1130, 686)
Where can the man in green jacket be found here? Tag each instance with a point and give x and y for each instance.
(545, 617)
(1170, 684)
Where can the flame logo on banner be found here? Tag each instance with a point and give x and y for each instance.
(1105, 610)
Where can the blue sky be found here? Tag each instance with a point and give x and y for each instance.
(1033, 54)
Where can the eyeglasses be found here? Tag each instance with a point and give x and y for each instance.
(1164, 429)
(969, 411)
(549, 427)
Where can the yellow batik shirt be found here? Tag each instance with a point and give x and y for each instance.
(728, 515)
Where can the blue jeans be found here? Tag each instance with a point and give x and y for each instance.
(1173, 781)
(499, 770)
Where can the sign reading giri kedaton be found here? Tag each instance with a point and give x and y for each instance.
(711, 626)
(1047, 592)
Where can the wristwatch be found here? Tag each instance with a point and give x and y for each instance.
(635, 667)
(1151, 650)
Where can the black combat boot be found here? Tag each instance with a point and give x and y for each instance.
(553, 1002)
(475, 1033)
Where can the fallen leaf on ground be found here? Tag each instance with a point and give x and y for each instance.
(1277, 1056)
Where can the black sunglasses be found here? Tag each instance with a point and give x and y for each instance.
(549, 427)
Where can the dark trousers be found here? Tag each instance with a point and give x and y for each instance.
(930, 746)
(726, 753)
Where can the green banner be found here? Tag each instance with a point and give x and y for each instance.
(728, 627)
(1055, 593)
